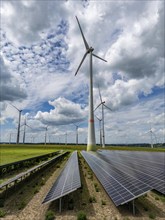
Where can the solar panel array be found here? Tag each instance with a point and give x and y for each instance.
(17, 164)
(67, 182)
(33, 169)
(120, 176)
(148, 167)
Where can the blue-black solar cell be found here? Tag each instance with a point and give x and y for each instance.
(121, 187)
(33, 169)
(148, 167)
(67, 182)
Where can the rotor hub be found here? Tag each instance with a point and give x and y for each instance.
(91, 49)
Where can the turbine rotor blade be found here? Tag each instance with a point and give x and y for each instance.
(15, 107)
(81, 62)
(100, 94)
(99, 57)
(98, 106)
(98, 118)
(107, 107)
(29, 126)
(85, 42)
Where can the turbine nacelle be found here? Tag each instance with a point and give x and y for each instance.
(90, 50)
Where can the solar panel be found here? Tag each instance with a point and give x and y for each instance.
(120, 186)
(67, 182)
(148, 167)
(33, 169)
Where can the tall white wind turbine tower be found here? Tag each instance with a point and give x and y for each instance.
(24, 133)
(102, 104)
(100, 119)
(91, 145)
(152, 135)
(66, 135)
(152, 146)
(19, 121)
(77, 126)
(46, 130)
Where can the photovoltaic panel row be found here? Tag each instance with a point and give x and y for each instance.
(120, 186)
(67, 182)
(149, 158)
(144, 165)
(152, 163)
(147, 167)
(33, 169)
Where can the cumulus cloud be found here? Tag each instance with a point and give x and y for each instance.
(139, 52)
(29, 19)
(134, 121)
(65, 112)
(10, 88)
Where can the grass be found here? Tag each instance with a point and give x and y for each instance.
(21, 205)
(49, 215)
(12, 153)
(2, 213)
(103, 202)
(152, 216)
(81, 215)
(92, 199)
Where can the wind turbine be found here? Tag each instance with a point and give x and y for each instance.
(91, 146)
(19, 121)
(52, 134)
(46, 130)
(66, 138)
(102, 104)
(151, 135)
(77, 126)
(10, 137)
(32, 139)
(100, 119)
(24, 132)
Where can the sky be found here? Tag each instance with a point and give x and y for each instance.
(41, 48)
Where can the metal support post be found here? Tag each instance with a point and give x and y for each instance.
(133, 204)
(60, 204)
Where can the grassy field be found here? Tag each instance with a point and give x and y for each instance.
(11, 153)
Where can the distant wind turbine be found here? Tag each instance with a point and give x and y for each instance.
(151, 136)
(52, 136)
(77, 126)
(19, 121)
(46, 130)
(151, 133)
(102, 104)
(10, 137)
(32, 139)
(91, 146)
(24, 132)
(66, 138)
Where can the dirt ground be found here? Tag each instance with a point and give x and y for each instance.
(91, 198)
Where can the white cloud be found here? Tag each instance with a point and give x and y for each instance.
(65, 112)
(137, 53)
(10, 87)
